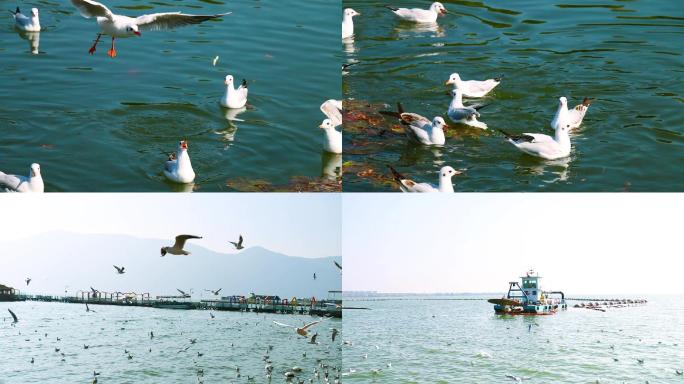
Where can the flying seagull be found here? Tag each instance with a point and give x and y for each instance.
(238, 245)
(88, 308)
(123, 26)
(119, 270)
(177, 248)
(183, 293)
(13, 316)
(216, 292)
(314, 276)
(28, 280)
(302, 331)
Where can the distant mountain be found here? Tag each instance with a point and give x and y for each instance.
(78, 261)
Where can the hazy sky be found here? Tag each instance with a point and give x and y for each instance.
(306, 225)
(580, 243)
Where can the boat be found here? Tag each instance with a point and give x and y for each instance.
(528, 298)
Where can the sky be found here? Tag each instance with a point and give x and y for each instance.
(305, 225)
(579, 243)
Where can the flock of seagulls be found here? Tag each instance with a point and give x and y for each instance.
(431, 132)
(178, 167)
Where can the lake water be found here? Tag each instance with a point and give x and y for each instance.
(625, 54)
(230, 340)
(464, 341)
(101, 124)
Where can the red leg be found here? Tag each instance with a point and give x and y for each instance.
(112, 52)
(92, 49)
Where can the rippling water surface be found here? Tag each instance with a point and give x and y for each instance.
(625, 54)
(465, 342)
(230, 340)
(101, 124)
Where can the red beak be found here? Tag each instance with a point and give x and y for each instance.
(184, 145)
(136, 33)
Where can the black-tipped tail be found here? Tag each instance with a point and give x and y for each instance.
(391, 8)
(517, 138)
(498, 79)
(396, 175)
(15, 12)
(587, 101)
(480, 106)
(244, 83)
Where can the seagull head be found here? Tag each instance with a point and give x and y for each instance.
(133, 30)
(183, 145)
(438, 122)
(35, 170)
(229, 80)
(326, 124)
(34, 12)
(563, 101)
(348, 12)
(454, 79)
(438, 8)
(163, 251)
(447, 171)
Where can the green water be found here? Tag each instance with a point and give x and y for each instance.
(625, 54)
(101, 124)
(465, 342)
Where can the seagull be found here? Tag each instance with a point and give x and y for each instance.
(517, 378)
(313, 338)
(420, 15)
(183, 293)
(473, 88)
(302, 331)
(333, 138)
(408, 185)
(332, 109)
(14, 317)
(348, 22)
(32, 183)
(459, 113)
(119, 270)
(123, 26)
(238, 245)
(88, 308)
(571, 117)
(216, 292)
(234, 98)
(25, 23)
(543, 146)
(314, 276)
(177, 248)
(334, 333)
(419, 128)
(28, 280)
(178, 167)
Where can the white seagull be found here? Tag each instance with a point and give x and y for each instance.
(543, 146)
(123, 26)
(473, 88)
(571, 117)
(408, 185)
(178, 167)
(177, 247)
(333, 138)
(458, 113)
(234, 98)
(303, 330)
(348, 22)
(25, 23)
(419, 128)
(420, 15)
(32, 183)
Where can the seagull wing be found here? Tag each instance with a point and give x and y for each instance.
(12, 182)
(90, 8)
(180, 240)
(311, 324)
(13, 315)
(332, 109)
(170, 20)
(182, 293)
(240, 241)
(282, 324)
(337, 265)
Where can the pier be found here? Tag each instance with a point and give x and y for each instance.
(329, 307)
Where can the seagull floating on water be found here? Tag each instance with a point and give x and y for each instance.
(420, 15)
(119, 26)
(543, 146)
(177, 247)
(419, 128)
(234, 98)
(473, 88)
(26, 23)
(332, 109)
(238, 245)
(32, 183)
(178, 167)
(408, 185)
(459, 113)
(571, 118)
(348, 22)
